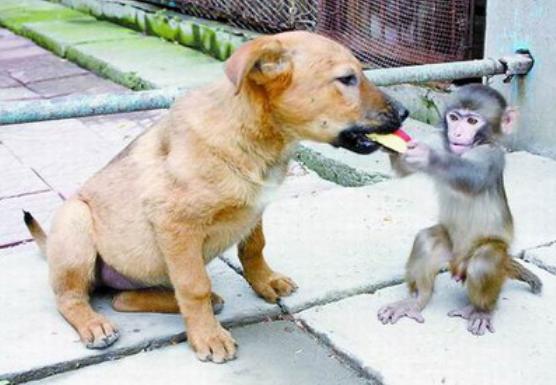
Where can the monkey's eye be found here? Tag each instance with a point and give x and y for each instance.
(452, 117)
(348, 80)
(471, 120)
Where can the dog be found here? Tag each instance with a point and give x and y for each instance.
(196, 183)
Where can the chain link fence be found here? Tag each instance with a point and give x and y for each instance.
(381, 33)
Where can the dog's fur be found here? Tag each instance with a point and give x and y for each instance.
(197, 182)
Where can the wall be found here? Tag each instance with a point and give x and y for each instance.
(513, 24)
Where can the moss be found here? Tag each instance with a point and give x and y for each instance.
(334, 171)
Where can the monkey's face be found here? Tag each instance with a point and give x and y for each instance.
(462, 129)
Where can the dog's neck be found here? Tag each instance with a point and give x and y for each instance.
(243, 132)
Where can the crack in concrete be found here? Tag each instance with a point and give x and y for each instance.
(535, 261)
(117, 354)
(24, 194)
(374, 377)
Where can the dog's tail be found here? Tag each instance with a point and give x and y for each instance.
(517, 271)
(36, 231)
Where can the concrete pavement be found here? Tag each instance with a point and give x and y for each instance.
(346, 247)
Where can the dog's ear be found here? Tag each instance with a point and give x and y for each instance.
(261, 60)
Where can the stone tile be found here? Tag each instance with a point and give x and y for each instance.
(121, 128)
(65, 153)
(361, 237)
(17, 93)
(156, 64)
(442, 351)
(531, 187)
(34, 334)
(12, 228)
(58, 35)
(7, 81)
(8, 43)
(346, 240)
(544, 257)
(45, 67)
(25, 52)
(86, 84)
(16, 178)
(14, 14)
(275, 353)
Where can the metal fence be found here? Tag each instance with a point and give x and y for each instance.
(381, 33)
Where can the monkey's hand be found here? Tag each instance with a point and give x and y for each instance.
(390, 314)
(418, 155)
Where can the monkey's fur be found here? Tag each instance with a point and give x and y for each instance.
(475, 226)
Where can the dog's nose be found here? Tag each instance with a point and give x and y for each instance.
(401, 111)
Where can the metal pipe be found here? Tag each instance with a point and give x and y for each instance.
(79, 106)
(86, 105)
(436, 72)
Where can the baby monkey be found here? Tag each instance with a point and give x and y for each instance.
(475, 226)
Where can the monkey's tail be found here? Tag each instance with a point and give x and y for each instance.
(517, 271)
(36, 231)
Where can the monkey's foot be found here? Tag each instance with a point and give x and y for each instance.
(478, 321)
(390, 314)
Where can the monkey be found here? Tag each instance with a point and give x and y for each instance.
(475, 227)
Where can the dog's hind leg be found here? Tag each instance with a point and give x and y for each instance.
(155, 301)
(71, 257)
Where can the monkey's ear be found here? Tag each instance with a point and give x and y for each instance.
(509, 120)
(261, 60)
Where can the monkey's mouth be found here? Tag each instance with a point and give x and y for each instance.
(355, 138)
(459, 148)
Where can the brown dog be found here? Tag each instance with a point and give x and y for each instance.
(196, 183)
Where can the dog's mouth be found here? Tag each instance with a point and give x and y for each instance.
(355, 138)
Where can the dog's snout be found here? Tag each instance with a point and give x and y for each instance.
(400, 110)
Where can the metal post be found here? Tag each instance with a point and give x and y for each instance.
(79, 106)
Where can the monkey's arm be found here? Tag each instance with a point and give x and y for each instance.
(472, 173)
(400, 167)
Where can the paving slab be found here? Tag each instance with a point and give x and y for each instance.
(12, 228)
(442, 351)
(64, 153)
(17, 179)
(82, 84)
(7, 81)
(147, 62)
(544, 257)
(360, 237)
(273, 353)
(531, 187)
(17, 93)
(58, 35)
(13, 14)
(30, 320)
(44, 67)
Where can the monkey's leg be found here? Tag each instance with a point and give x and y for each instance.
(485, 276)
(431, 251)
(71, 258)
(155, 301)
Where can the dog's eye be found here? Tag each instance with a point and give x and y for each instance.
(348, 80)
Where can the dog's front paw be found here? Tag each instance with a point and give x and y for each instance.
(212, 343)
(273, 286)
(98, 333)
